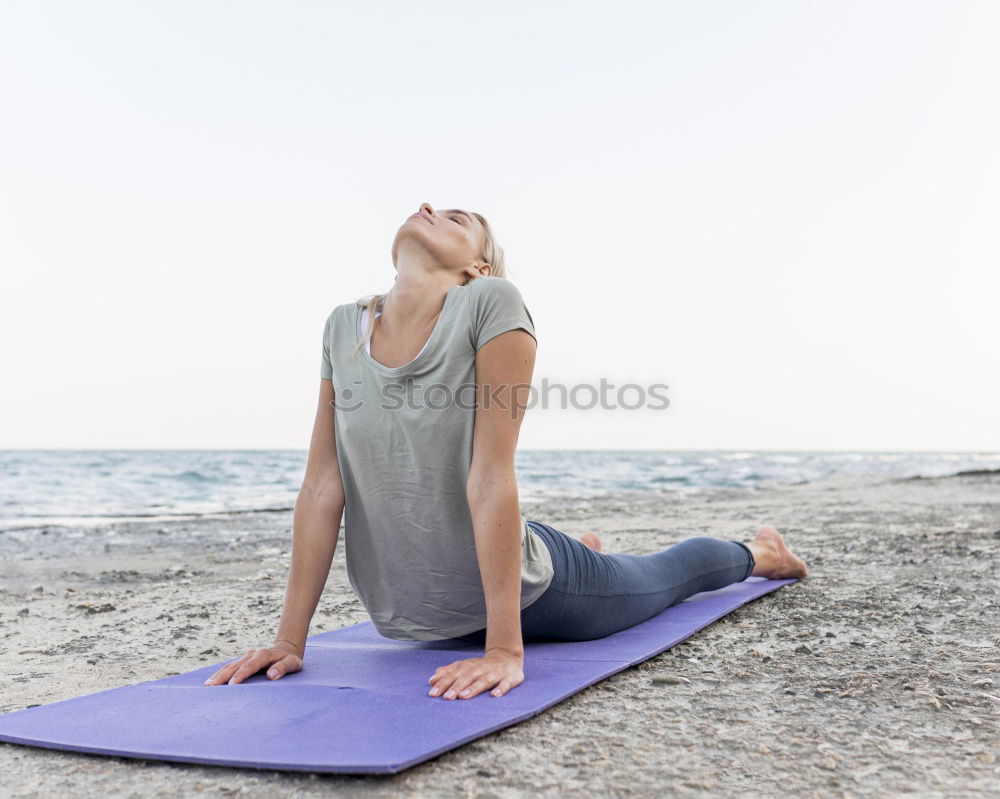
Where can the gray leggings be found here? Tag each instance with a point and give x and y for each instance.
(594, 594)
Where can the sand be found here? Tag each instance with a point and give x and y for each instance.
(876, 676)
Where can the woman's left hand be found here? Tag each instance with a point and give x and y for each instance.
(465, 679)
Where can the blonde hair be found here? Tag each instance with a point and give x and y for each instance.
(492, 254)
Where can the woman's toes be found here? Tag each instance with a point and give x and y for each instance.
(591, 540)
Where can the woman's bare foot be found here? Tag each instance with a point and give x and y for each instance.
(773, 559)
(591, 540)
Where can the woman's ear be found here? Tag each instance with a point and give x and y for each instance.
(477, 269)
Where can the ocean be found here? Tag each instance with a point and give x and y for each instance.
(81, 487)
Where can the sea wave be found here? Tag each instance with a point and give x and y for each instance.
(95, 486)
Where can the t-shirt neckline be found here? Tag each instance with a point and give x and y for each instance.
(428, 345)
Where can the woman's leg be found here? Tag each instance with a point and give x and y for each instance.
(594, 594)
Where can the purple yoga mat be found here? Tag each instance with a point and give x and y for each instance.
(359, 705)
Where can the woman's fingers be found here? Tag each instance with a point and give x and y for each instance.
(261, 659)
(250, 665)
(277, 670)
(289, 663)
(445, 671)
(477, 686)
(474, 681)
(235, 672)
(227, 671)
(441, 682)
(253, 661)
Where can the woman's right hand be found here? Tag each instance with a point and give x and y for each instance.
(282, 657)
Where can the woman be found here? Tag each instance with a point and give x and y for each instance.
(422, 392)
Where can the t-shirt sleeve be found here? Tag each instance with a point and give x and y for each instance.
(497, 308)
(326, 366)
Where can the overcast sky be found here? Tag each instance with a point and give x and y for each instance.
(785, 211)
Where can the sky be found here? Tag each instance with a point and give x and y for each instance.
(786, 212)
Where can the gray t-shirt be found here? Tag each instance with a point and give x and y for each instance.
(404, 444)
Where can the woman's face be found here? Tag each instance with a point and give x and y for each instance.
(452, 238)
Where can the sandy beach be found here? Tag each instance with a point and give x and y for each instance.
(876, 676)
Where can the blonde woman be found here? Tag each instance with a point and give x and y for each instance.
(422, 392)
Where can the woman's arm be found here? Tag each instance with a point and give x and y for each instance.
(315, 526)
(315, 530)
(504, 367)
